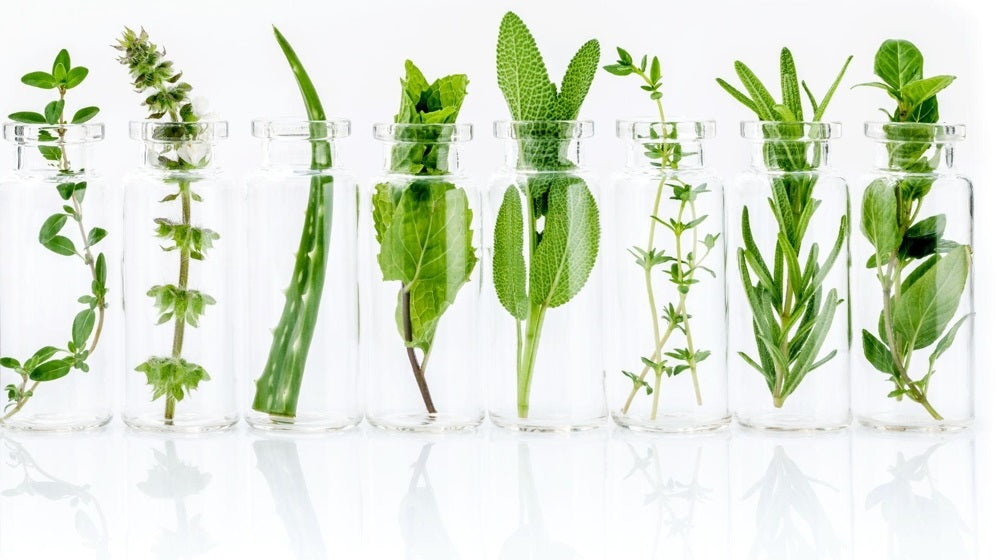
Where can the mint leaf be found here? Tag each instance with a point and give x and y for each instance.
(509, 269)
(929, 298)
(879, 219)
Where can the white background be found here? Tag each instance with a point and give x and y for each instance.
(496, 492)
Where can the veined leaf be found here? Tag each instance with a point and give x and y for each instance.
(930, 297)
(878, 354)
(509, 269)
(948, 339)
(821, 111)
(790, 94)
(576, 82)
(757, 91)
(919, 91)
(740, 97)
(898, 62)
(813, 344)
(879, 218)
(521, 72)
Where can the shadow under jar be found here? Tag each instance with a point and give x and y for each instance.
(913, 347)
(665, 306)
(789, 326)
(181, 277)
(542, 318)
(421, 261)
(302, 282)
(59, 305)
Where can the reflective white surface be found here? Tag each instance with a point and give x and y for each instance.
(606, 494)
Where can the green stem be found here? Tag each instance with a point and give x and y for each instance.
(418, 372)
(183, 276)
(535, 320)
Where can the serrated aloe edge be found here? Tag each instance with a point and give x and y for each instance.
(791, 313)
(916, 306)
(562, 219)
(50, 363)
(279, 385)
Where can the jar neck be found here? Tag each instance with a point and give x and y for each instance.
(299, 156)
(191, 156)
(422, 158)
(54, 159)
(787, 156)
(914, 157)
(528, 154)
(178, 147)
(664, 156)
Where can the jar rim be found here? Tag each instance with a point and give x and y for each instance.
(31, 134)
(291, 129)
(791, 131)
(669, 130)
(151, 131)
(904, 131)
(423, 133)
(543, 130)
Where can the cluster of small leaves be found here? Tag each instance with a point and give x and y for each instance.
(791, 315)
(151, 71)
(171, 301)
(918, 307)
(172, 377)
(195, 240)
(626, 66)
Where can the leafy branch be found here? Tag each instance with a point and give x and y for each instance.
(172, 377)
(791, 314)
(680, 266)
(918, 306)
(49, 362)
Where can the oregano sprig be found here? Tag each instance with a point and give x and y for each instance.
(172, 377)
(685, 260)
(50, 363)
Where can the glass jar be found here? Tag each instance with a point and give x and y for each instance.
(59, 294)
(420, 254)
(182, 289)
(914, 274)
(664, 243)
(789, 327)
(302, 329)
(542, 317)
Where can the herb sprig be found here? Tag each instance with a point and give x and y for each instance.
(50, 362)
(791, 315)
(424, 226)
(916, 307)
(686, 259)
(562, 220)
(173, 377)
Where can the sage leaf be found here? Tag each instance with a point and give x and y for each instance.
(576, 81)
(521, 72)
(930, 297)
(509, 269)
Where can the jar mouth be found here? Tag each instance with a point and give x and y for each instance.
(914, 132)
(170, 132)
(542, 130)
(665, 131)
(48, 134)
(791, 131)
(423, 133)
(290, 129)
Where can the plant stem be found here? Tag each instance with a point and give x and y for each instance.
(418, 373)
(535, 320)
(182, 279)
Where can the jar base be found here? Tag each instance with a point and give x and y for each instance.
(425, 423)
(913, 426)
(303, 423)
(546, 425)
(672, 423)
(182, 424)
(56, 423)
(789, 423)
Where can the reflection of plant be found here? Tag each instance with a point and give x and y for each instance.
(923, 522)
(172, 479)
(788, 506)
(278, 461)
(420, 518)
(531, 539)
(36, 482)
(668, 493)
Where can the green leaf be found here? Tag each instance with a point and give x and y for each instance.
(576, 82)
(50, 153)
(757, 91)
(790, 94)
(42, 80)
(51, 227)
(61, 245)
(918, 91)
(322, 157)
(83, 326)
(27, 117)
(96, 235)
(892, 92)
(53, 111)
(618, 69)
(924, 238)
(805, 360)
(84, 115)
(568, 250)
(521, 72)
(948, 339)
(898, 62)
(509, 269)
(61, 59)
(740, 97)
(76, 76)
(172, 376)
(879, 219)
(51, 370)
(101, 270)
(428, 247)
(878, 354)
(821, 111)
(930, 297)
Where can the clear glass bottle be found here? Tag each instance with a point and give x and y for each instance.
(789, 326)
(666, 343)
(182, 282)
(60, 232)
(303, 312)
(914, 272)
(422, 267)
(542, 317)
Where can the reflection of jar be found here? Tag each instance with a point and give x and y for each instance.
(542, 320)
(665, 244)
(914, 274)
(421, 292)
(60, 230)
(181, 282)
(303, 329)
(789, 328)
